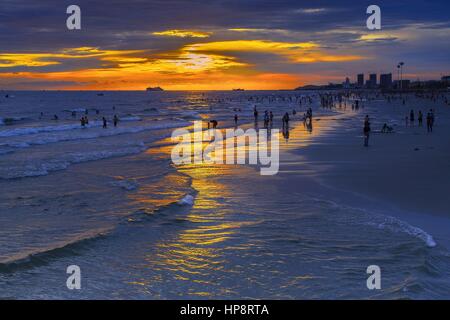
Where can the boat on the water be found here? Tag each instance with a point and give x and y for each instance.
(155, 89)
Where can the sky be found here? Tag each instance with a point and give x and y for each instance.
(217, 44)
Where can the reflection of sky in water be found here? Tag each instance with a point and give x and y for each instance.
(198, 254)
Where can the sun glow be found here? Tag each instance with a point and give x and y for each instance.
(199, 65)
(183, 34)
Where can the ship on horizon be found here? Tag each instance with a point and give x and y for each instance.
(154, 89)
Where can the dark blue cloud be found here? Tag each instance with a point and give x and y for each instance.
(41, 24)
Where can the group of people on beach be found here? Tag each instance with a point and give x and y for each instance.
(409, 121)
(84, 121)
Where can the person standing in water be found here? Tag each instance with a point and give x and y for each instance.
(430, 121)
(420, 118)
(105, 123)
(266, 119)
(235, 119)
(411, 117)
(286, 120)
(116, 120)
(366, 131)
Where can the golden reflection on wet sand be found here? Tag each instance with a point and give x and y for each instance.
(197, 251)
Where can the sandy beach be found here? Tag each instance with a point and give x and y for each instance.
(407, 169)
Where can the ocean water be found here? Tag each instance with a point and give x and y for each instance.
(110, 201)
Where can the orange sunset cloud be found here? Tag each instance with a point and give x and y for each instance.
(197, 66)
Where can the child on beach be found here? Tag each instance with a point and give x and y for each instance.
(387, 129)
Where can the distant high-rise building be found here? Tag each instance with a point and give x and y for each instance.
(361, 80)
(373, 80)
(386, 80)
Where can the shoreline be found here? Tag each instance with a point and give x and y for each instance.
(378, 178)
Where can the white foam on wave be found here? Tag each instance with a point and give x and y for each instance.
(76, 110)
(187, 200)
(55, 128)
(396, 225)
(190, 115)
(43, 168)
(130, 118)
(381, 221)
(87, 133)
(34, 130)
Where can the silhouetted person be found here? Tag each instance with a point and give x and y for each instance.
(366, 131)
(285, 120)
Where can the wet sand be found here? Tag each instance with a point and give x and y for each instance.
(408, 170)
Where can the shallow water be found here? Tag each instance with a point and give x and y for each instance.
(111, 202)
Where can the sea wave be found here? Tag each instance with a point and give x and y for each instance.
(396, 225)
(379, 220)
(12, 120)
(42, 168)
(79, 134)
(38, 256)
(35, 257)
(188, 200)
(126, 184)
(34, 130)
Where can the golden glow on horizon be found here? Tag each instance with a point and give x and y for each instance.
(213, 65)
(183, 34)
